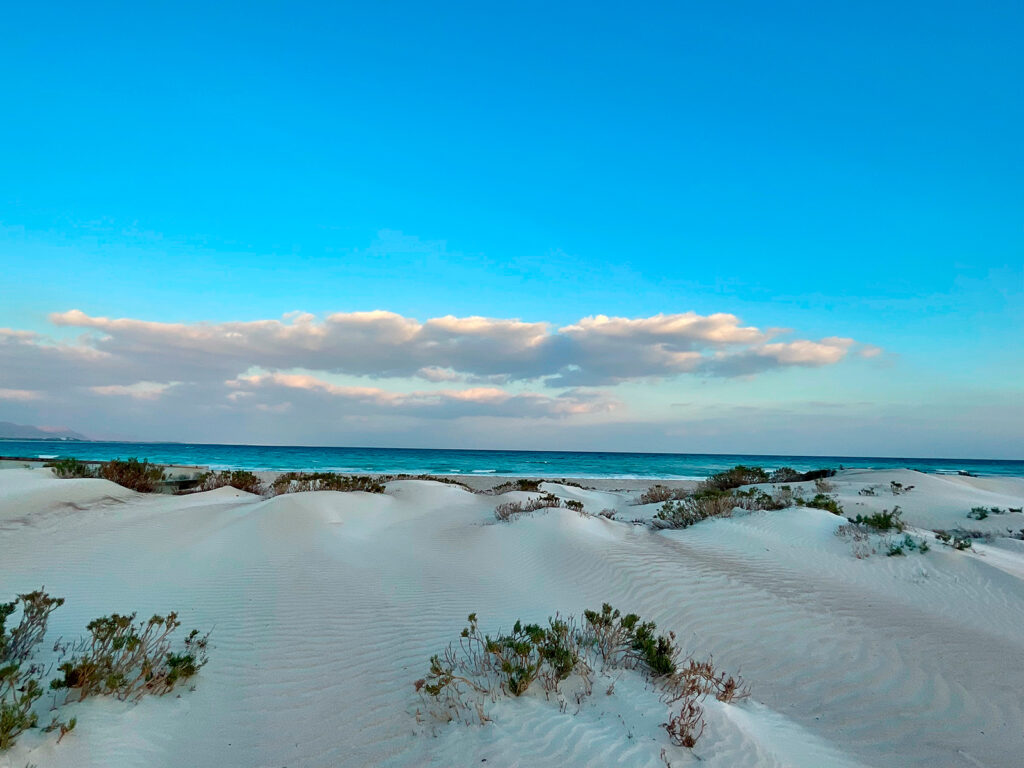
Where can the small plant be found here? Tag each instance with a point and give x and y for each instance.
(574, 505)
(978, 513)
(823, 501)
(520, 484)
(608, 514)
(898, 488)
(481, 667)
(955, 539)
(883, 521)
(303, 482)
(20, 680)
(822, 486)
(127, 660)
(657, 494)
(235, 478)
(734, 478)
(867, 491)
(71, 467)
(137, 475)
(511, 509)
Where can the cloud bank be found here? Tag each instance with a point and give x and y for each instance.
(445, 367)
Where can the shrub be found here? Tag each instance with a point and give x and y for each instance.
(824, 486)
(520, 484)
(881, 521)
(138, 475)
(608, 514)
(574, 505)
(510, 509)
(954, 539)
(302, 482)
(696, 507)
(734, 478)
(72, 467)
(126, 659)
(20, 681)
(790, 475)
(659, 493)
(480, 667)
(898, 488)
(235, 478)
(867, 491)
(822, 501)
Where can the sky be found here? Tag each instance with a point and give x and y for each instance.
(749, 227)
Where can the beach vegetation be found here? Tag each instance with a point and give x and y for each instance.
(657, 494)
(240, 479)
(822, 486)
(734, 478)
(479, 667)
(869, 490)
(302, 482)
(509, 510)
(882, 522)
(519, 484)
(72, 467)
(899, 488)
(958, 540)
(137, 475)
(574, 505)
(822, 501)
(121, 657)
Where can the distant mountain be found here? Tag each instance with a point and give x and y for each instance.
(9, 431)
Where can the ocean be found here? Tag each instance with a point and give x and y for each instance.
(470, 462)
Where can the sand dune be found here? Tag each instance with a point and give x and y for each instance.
(326, 607)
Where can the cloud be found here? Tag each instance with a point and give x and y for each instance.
(19, 394)
(478, 401)
(594, 351)
(353, 366)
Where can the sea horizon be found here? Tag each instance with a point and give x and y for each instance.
(468, 461)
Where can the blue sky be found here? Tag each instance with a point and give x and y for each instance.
(847, 171)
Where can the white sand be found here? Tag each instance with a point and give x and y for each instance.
(326, 607)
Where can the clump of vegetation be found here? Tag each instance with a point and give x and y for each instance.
(883, 521)
(734, 478)
(481, 667)
(72, 467)
(868, 490)
(519, 484)
(898, 488)
(822, 501)
(128, 659)
(657, 494)
(138, 475)
(980, 513)
(120, 658)
(234, 478)
(607, 514)
(574, 505)
(954, 539)
(698, 506)
(899, 547)
(790, 475)
(824, 486)
(20, 679)
(433, 478)
(511, 509)
(301, 482)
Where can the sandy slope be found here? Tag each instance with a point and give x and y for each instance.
(326, 607)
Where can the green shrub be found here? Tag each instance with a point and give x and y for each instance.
(953, 539)
(574, 505)
(20, 680)
(480, 667)
(72, 467)
(300, 482)
(881, 521)
(822, 501)
(511, 509)
(734, 478)
(138, 475)
(127, 660)
(235, 478)
(660, 493)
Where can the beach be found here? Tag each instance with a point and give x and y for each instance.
(327, 606)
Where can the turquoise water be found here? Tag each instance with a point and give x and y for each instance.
(516, 463)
